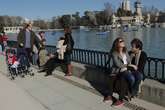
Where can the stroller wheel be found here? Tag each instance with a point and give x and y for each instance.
(31, 74)
(8, 75)
(22, 75)
(26, 72)
(12, 78)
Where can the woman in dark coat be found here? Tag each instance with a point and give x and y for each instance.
(69, 42)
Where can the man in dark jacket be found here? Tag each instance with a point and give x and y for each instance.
(28, 38)
(138, 58)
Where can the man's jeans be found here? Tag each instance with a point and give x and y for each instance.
(35, 58)
(138, 77)
(130, 78)
(134, 78)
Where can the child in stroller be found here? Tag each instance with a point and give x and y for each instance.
(18, 65)
(12, 63)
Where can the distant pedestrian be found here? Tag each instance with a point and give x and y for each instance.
(40, 38)
(1, 45)
(1, 50)
(41, 35)
(3, 40)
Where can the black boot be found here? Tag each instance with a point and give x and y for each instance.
(48, 74)
(40, 71)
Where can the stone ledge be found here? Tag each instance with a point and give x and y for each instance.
(152, 90)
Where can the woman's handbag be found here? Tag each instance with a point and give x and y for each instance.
(69, 47)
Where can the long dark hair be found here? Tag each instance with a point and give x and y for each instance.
(115, 46)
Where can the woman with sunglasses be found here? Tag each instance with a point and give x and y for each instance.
(121, 61)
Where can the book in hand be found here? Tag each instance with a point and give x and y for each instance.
(131, 68)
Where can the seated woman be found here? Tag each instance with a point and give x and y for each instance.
(51, 64)
(138, 58)
(121, 61)
(53, 60)
(43, 54)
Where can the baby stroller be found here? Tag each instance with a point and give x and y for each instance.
(17, 64)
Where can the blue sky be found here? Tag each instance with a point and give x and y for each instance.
(48, 8)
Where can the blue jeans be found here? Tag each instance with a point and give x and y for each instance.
(138, 77)
(35, 58)
(130, 78)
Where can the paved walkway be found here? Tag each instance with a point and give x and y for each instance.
(51, 93)
(56, 94)
(14, 98)
(40, 93)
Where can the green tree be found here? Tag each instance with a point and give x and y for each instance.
(65, 20)
(55, 23)
(101, 18)
(90, 18)
(77, 18)
(40, 23)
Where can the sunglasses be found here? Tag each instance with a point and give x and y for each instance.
(121, 41)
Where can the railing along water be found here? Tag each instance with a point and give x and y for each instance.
(154, 69)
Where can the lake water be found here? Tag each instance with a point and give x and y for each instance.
(153, 39)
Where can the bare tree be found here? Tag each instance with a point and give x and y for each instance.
(108, 11)
(91, 17)
(151, 10)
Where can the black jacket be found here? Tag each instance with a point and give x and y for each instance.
(21, 38)
(142, 61)
(69, 42)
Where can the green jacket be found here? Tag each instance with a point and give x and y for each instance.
(21, 38)
(43, 58)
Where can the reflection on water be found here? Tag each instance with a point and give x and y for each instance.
(153, 39)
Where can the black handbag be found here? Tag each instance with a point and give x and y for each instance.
(69, 47)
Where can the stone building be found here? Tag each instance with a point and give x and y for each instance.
(126, 5)
(137, 19)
